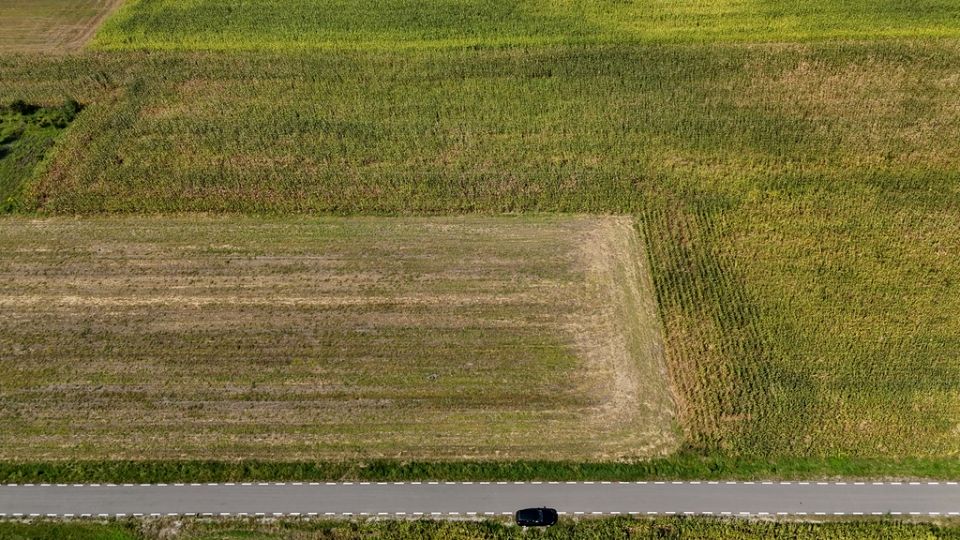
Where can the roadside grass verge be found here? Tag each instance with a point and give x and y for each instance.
(591, 528)
(684, 465)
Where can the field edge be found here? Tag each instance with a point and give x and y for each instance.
(681, 466)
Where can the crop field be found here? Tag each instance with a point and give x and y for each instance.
(792, 169)
(50, 25)
(393, 24)
(329, 338)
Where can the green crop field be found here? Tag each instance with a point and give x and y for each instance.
(204, 338)
(792, 167)
(393, 24)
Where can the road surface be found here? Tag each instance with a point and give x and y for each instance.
(466, 499)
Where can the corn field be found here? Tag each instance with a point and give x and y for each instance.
(795, 178)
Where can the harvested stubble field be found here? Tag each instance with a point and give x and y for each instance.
(50, 26)
(329, 338)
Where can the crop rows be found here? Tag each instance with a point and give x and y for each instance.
(799, 202)
(50, 25)
(194, 338)
(389, 25)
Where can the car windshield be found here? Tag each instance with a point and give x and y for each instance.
(531, 514)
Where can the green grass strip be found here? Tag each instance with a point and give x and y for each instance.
(678, 467)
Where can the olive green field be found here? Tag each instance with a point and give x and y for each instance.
(788, 174)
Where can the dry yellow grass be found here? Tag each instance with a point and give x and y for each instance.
(331, 338)
(50, 25)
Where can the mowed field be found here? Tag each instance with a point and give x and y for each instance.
(53, 26)
(792, 168)
(329, 338)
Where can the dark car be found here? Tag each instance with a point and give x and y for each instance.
(536, 517)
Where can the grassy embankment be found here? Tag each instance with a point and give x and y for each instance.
(799, 201)
(639, 528)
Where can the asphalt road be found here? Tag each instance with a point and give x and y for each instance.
(458, 499)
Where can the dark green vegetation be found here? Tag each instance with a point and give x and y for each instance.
(606, 528)
(401, 24)
(49, 530)
(26, 133)
(682, 466)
